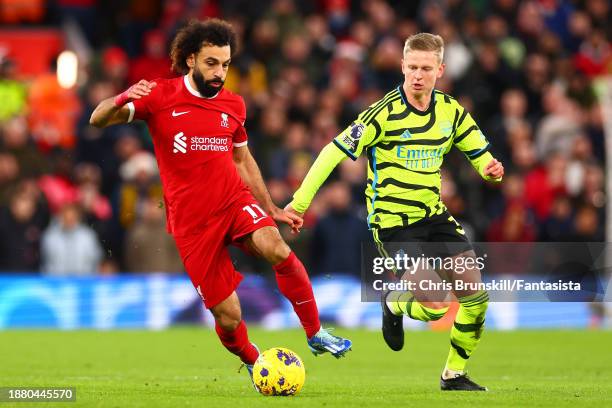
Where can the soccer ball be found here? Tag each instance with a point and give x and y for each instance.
(279, 371)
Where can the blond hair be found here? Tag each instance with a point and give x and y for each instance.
(425, 42)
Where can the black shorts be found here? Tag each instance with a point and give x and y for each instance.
(440, 235)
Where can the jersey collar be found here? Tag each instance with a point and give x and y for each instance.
(414, 110)
(195, 92)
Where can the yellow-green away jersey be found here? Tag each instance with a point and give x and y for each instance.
(405, 149)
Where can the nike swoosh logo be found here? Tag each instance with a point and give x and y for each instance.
(301, 303)
(256, 221)
(175, 114)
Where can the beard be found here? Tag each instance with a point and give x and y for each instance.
(205, 87)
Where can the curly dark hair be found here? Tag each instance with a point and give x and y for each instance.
(196, 34)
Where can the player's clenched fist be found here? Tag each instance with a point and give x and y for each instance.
(494, 169)
(136, 91)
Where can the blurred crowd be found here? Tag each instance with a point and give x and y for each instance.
(79, 200)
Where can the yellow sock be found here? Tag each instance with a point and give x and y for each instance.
(403, 303)
(467, 330)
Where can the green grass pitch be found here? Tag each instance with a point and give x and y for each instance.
(187, 367)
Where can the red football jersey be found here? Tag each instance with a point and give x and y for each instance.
(194, 137)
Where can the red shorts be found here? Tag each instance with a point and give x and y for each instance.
(205, 255)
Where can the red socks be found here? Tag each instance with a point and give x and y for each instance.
(294, 284)
(237, 342)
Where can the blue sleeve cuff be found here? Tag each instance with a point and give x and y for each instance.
(344, 150)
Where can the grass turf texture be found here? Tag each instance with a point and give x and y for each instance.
(189, 367)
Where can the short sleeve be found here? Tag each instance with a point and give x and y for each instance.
(144, 107)
(240, 137)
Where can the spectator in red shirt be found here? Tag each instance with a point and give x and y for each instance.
(544, 184)
(154, 62)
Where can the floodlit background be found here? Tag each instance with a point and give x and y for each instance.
(82, 233)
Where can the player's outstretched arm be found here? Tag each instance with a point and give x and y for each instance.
(113, 110)
(320, 170)
(250, 174)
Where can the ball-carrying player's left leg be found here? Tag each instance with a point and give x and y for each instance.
(212, 273)
(294, 284)
(232, 331)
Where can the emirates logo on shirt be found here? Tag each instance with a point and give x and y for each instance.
(180, 143)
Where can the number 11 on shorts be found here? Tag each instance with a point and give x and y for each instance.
(251, 210)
